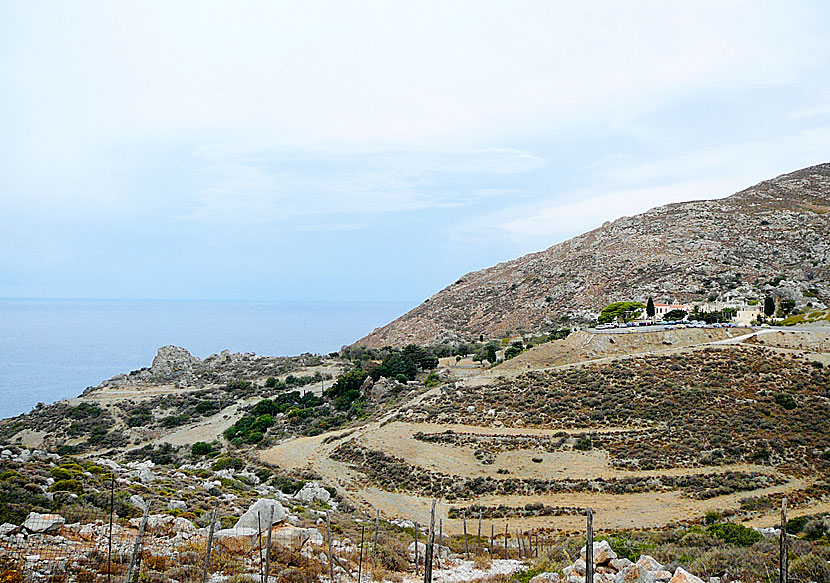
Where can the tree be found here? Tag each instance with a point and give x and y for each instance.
(491, 354)
(625, 311)
(673, 315)
(650, 308)
(769, 306)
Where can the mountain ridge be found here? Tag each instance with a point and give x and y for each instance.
(731, 248)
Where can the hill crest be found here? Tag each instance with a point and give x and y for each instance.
(773, 237)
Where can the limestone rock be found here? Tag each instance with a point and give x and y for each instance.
(634, 574)
(312, 491)
(262, 509)
(439, 551)
(234, 532)
(43, 522)
(291, 536)
(173, 363)
(137, 501)
(620, 563)
(547, 577)
(649, 563)
(177, 505)
(602, 552)
(8, 528)
(683, 576)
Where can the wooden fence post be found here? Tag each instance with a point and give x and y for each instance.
(479, 532)
(589, 549)
(783, 547)
(259, 544)
(331, 546)
(268, 546)
(430, 545)
(492, 532)
(466, 546)
(417, 569)
(209, 546)
(137, 548)
(440, 539)
(360, 561)
(375, 545)
(506, 556)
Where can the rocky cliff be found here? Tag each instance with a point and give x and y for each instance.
(772, 238)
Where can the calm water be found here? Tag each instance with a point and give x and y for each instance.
(54, 349)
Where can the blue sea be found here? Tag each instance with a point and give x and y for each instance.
(54, 349)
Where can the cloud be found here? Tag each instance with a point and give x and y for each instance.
(268, 185)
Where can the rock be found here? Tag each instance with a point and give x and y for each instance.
(634, 574)
(683, 576)
(602, 552)
(173, 363)
(620, 563)
(439, 550)
(8, 528)
(547, 577)
(662, 575)
(291, 536)
(180, 525)
(579, 566)
(234, 532)
(137, 501)
(177, 505)
(43, 522)
(261, 508)
(366, 387)
(649, 563)
(313, 491)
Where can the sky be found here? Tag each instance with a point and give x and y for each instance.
(375, 151)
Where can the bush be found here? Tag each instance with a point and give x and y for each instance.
(73, 486)
(228, 462)
(736, 534)
(814, 530)
(201, 448)
(786, 400)
(795, 525)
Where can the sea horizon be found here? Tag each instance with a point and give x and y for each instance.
(54, 348)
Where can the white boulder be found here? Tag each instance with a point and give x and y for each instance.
(313, 491)
(258, 514)
(602, 552)
(683, 576)
(43, 522)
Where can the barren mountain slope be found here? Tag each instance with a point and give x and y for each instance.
(732, 247)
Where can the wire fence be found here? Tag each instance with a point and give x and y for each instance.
(95, 546)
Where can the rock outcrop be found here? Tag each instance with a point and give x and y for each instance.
(608, 568)
(772, 238)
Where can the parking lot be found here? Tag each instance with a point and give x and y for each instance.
(656, 326)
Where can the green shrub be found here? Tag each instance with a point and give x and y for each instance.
(795, 525)
(228, 462)
(201, 448)
(736, 534)
(786, 400)
(62, 474)
(67, 486)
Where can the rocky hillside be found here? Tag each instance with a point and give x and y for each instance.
(772, 238)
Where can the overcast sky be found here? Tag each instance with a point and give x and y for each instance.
(375, 150)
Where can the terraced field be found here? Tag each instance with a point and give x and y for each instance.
(645, 440)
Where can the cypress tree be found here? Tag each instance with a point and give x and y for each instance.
(769, 306)
(650, 308)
